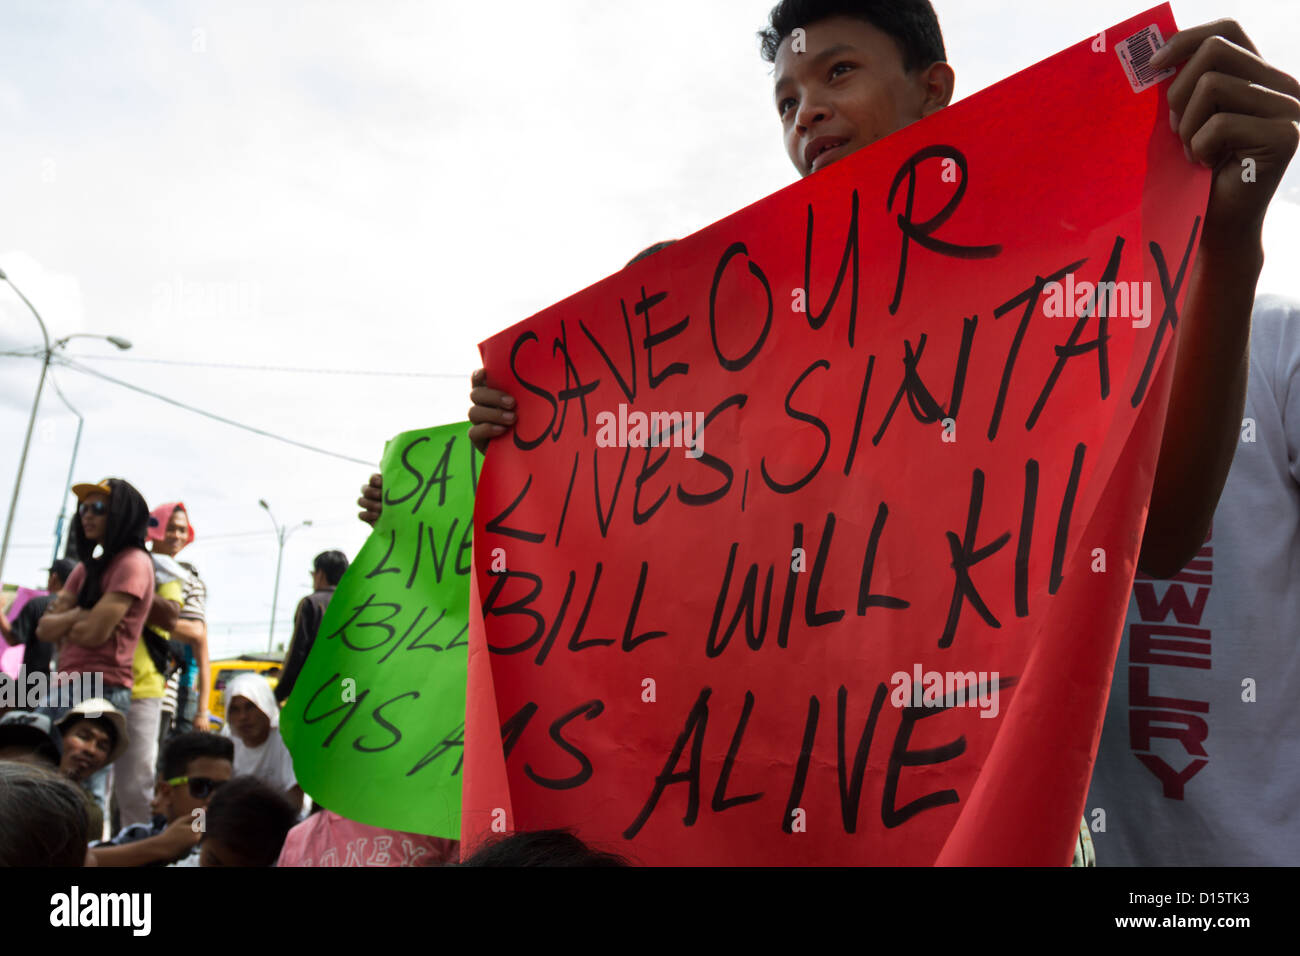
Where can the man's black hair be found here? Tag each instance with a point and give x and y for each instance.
(649, 251)
(43, 818)
(332, 564)
(912, 24)
(252, 820)
(541, 848)
(62, 569)
(181, 749)
(125, 526)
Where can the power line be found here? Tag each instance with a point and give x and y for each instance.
(267, 533)
(265, 368)
(239, 534)
(76, 366)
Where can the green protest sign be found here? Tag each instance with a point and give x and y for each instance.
(376, 720)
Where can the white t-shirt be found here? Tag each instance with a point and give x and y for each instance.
(1200, 750)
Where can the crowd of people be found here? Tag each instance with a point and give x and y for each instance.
(182, 793)
(131, 614)
(101, 650)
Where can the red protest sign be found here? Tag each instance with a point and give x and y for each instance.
(813, 540)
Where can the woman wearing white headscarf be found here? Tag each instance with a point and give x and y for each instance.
(253, 722)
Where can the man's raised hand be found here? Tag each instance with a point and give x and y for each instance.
(492, 412)
(1237, 115)
(371, 501)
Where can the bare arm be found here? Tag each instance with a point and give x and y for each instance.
(163, 614)
(195, 633)
(1239, 116)
(95, 627)
(56, 621)
(174, 842)
(1206, 403)
(54, 626)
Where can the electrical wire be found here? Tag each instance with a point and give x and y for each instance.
(77, 366)
(266, 368)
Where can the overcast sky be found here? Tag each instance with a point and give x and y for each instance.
(373, 186)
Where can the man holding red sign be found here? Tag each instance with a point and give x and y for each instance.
(847, 75)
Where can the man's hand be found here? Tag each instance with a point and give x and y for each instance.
(163, 614)
(170, 845)
(54, 626)
(95, 627)
(492, 412)
(201, 721)
(371, 501)
(179, 838)
(1237, 115)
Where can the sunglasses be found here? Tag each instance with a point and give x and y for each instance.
(200, 787)
(93, 508)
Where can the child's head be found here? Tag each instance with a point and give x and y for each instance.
(246, 825)
(43, 818)
(540, 848)
(850, 72)
(192, 768)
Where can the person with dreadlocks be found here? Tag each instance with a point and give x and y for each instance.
(98, 616)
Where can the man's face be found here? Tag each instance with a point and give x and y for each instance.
(93, 513)
(86, 746)
(175, 536)
(846, 90)
(179, 801)
(248, 722)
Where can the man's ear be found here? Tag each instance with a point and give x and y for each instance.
(937, 82)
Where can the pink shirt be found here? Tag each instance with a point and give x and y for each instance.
(131, 573)
(327, 839)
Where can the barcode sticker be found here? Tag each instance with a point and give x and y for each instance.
(1135, 54)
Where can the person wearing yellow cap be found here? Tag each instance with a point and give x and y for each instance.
(97, 618)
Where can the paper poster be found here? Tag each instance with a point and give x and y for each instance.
(814, 538)
(376, 719)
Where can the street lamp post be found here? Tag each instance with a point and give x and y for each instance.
(47, 355)
(282, 535)
(31, 423)
(72, 465)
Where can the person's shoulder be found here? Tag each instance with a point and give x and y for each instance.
(1274, 318)
(130, 572)
(1275, 338)
(133, 558)
(165, 564)
(132, 833)
(36, 607)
